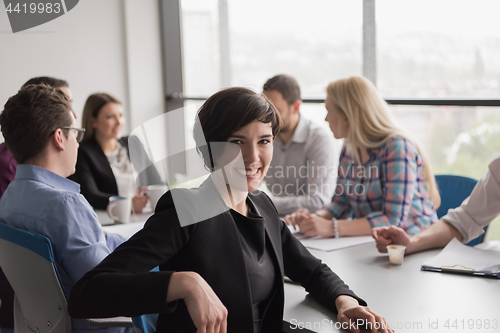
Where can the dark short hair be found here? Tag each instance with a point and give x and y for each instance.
(226, 112)
(286, 85)
(30, 117)
(93, 105)
(48, 81)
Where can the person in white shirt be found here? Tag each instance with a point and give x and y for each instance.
(303, 171)
(464, 223)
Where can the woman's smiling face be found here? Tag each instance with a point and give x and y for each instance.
(109, 121)
(255, 141)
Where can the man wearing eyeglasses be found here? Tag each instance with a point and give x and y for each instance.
(39, 129)
(8, 164)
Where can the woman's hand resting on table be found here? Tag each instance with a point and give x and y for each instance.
(311, 224)
(297, 217)
(350, 314)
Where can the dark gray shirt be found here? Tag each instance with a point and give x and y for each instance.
(260, 266)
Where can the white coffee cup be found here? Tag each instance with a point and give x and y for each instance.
(396, 253)
(119, 209)
(154, 192)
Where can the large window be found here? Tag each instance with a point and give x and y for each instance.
(315, 41)
(445, 48)
(425, 50)
(458, 140)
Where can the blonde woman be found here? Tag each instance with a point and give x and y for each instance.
(384, 177)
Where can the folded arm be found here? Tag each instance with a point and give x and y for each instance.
(122, 284)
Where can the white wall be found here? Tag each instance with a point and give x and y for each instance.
(111, 46)
(144, 59)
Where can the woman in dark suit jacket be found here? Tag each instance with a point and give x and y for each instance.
(103, 156)
(221, 248)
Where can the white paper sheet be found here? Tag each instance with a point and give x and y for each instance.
(458, 254)
(331, 244)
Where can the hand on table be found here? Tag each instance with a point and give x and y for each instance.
(139, 201)
(296, 217)
(311, 224)
(350, 314)
(208, 313)
(390, 235)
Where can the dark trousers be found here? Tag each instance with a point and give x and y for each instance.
(7, 298)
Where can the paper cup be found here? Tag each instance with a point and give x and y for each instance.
(396, 254)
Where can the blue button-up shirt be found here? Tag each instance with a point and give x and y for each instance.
(45, 203)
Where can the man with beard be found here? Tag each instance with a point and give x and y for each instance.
(304, 166)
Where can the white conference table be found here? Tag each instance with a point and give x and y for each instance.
(125, 229)
(105, 220)
(410, 299)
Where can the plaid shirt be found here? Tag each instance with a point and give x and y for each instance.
(389, 189)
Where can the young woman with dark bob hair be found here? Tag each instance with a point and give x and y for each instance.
(221, 249)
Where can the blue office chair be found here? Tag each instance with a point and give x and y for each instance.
(40, 304)
(454, 190)
(146, 323)
(28, 263)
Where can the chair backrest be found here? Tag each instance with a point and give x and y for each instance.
(146, 323)
(454, 190)
(28, 263)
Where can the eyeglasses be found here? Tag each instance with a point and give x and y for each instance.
(79, 135)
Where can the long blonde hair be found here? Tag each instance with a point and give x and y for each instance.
(371, 124)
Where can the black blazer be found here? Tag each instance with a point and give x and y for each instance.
(95, 176)
(122, 284)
